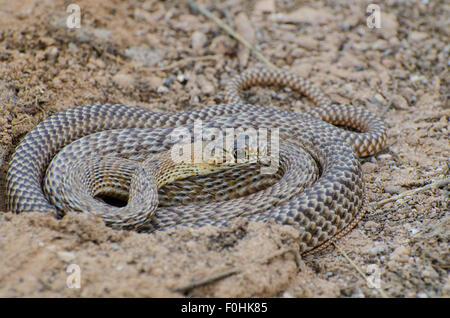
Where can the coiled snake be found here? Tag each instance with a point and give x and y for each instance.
(318, 186)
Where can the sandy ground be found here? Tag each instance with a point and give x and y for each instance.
(164, 56)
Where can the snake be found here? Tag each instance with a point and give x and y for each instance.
(317, 187)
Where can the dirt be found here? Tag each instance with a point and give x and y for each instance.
(165, 56)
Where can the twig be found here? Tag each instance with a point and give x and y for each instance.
(232, 271)
(233, 33)
(389, 103)
(296, 254)
(206, 280)
(382, 293)
(434, 185)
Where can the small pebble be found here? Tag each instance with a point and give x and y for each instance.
(52, 53)
(181, 79)
(429, 272)
(401, 254)
(369, 167)
(377, 249)
(115, 246)
(168, 81)
(287, 294)
(345, 26)
(380, 99)
(384, 156)
(416, 36)
(154, 82)
(198, 40)
(400, 102)
(123, 80)
(371, 225)
(393, 189)
(66, 256)
(162, 90)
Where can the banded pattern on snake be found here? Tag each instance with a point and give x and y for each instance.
(323, 203)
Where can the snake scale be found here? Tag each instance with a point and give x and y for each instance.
(318, 187)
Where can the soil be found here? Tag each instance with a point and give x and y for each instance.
(165, 56)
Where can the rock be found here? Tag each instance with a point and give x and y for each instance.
(371, 225)
(393, 189)
(148, 56)
(169, 80)
(412, 139)
(198, 40)
(380, 99)
(123, 80)
(446, 288)
(378, 249)
(140, 14)
(302, 69)
(97, 62)
(430, 273)
(389, 25)
(66, 256)
(369, 167)
(265, 6)
(384, 156)
(155, 82)
(306, 15)
(206, 86)
(162, 89)
(52, 53)
(287, 294)
(181, 79)
(221, 44)
(416, 36)
(307, 42)
(380, 45)
(401, 254)
(400, 102)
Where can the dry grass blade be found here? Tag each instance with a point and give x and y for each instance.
(232, 33)
(206, 280)
(434, 185)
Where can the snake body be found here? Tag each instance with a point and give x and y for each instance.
(324, 202)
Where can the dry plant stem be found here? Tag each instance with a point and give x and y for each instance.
(296, 254)
(232, 271)
(382, 293)
(206, 280)
(233, 33)
(389, 103)
(434, 185)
